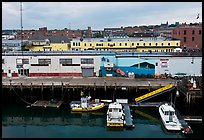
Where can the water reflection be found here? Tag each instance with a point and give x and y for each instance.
(51, 122)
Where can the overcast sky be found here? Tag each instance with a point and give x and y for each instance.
(98, 15)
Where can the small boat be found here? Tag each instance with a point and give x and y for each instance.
(169, 118)
(115, 115)
(86, 105)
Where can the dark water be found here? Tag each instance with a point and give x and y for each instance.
(21, 122)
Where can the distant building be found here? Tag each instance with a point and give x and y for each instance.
(114, 33)
(190, 36)
(164, 25)
(125, 44)
(27, 34)
(12, 45)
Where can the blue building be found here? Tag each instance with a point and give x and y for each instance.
(122, 65)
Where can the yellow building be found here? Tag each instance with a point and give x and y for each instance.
(126, 45)
(43, 46)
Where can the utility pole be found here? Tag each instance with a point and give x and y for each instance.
(21, 34)
(21, 26)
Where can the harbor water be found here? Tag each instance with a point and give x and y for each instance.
(21, 121)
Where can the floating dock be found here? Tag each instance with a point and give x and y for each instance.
(128, 116)
(44, 103)
(193, 118)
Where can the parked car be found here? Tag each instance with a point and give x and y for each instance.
(179, 75)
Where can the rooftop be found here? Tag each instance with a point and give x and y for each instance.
(120, 39)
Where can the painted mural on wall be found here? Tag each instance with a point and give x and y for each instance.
(123, 66)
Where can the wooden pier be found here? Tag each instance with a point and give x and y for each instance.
(80, 82)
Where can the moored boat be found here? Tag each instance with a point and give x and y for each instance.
(85, 105)
(115, 115)
(169, 118)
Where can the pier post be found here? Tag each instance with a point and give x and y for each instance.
(94, 90)
(42, 91)
(62, 88)
(21, 87)
(31, 87)
(105, 86)
(10, 87)
(52, 87)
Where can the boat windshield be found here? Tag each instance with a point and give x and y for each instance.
(169, 113)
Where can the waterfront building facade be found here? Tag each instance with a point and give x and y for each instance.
(95, 63)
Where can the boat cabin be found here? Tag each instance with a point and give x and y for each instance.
(115, 109)
(168, 110)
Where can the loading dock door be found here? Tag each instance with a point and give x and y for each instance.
(87, 71)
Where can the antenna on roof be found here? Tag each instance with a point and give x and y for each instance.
(21, 25)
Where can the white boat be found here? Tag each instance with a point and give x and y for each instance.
(169, 118)
(115, 115)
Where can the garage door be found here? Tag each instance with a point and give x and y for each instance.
(87, 71)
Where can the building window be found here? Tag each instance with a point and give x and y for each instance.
(90, 44)
(120, 44)
(25, 61)
(138, 44)
(87, 61)
(156, 44)
(108, 44)
(168, 44)
(113, 44)
(84, 44)
(193, 32)
(44, 61)
(184, 39)
(199, 32)
(156, 64)
(149, 44)
(132, 44)
(193, 38)
(73, 43)
(162, 44)
(79, 43)
(65, 61)
(3, 61)
(125, 44)
(184, 32)
(144, 44)
(176, 44)
(103, 59)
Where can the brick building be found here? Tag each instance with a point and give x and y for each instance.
(26, 34)
(190, 36)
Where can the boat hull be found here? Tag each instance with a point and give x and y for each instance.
(115, 124)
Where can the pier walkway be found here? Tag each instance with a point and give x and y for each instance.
(128, 116)
(80, 82)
